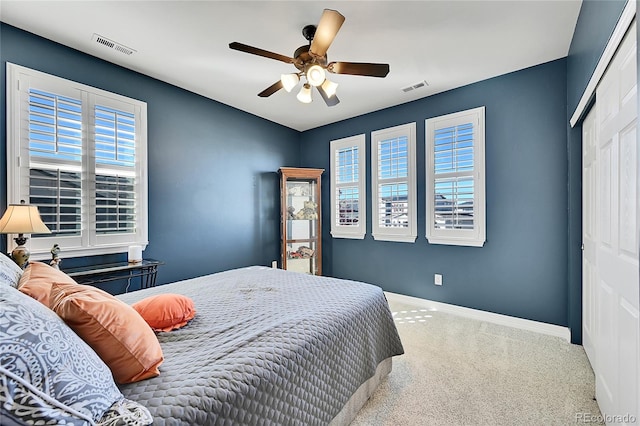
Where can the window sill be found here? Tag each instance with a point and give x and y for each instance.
(395, 238)
(455, 242)
(85, 251)
(349, 235)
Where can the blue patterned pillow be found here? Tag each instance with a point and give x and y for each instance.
(10, 272)
(48, 375)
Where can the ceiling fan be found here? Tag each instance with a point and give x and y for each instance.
(311, 62)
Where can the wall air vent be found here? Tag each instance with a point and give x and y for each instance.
(415, 86)
(112, 44)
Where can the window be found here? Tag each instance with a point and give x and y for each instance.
(80, 155)
(393, 160)
(348, 200)
(455, 178)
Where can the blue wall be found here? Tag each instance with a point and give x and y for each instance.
(595, 25)
(522, 268)
(213, 164)
(213, 183)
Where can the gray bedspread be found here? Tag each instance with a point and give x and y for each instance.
(267, 347)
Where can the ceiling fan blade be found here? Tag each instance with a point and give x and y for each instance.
(330, 101)
(359, 68)
(260, 52)
(328, 27)
(271, 89)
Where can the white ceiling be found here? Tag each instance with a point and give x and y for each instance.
(447, 43)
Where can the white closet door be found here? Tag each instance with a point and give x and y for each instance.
(589, 237)
(617, 351)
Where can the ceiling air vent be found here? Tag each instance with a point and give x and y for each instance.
(415, 86)
(112, 44)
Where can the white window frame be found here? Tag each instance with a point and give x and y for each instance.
(19, 80)
(351, 231)
(381, 233)
(477, 236)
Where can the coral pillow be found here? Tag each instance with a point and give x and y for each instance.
(37, 279)
(112, 328)
(166, 312)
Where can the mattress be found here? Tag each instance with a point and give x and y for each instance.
(267, 346)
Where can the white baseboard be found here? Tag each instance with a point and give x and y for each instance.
(523, 324)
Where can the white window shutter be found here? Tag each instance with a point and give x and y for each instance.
(348, 200)
(78, 154)
(455, 178)
(393, 175)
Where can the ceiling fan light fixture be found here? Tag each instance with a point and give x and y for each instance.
(311, 62)
(304, 95)
(315, 75)
(289, 81)
(330, 88)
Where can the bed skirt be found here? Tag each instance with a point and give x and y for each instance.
(362, 395)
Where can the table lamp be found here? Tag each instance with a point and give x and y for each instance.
(22, 219)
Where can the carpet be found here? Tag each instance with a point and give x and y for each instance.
(460, 371)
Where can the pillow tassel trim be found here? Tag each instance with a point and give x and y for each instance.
(126, 413)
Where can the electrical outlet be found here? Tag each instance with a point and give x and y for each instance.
(437, 279)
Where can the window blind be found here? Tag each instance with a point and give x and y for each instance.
(115, 171)
(347, 194)
(58, 195)
(115, 204)
(55, 127)
(455, 176)
(454, 170)
(393, 178)
(55, 160)
(80, 155)
(115, 137)
(393, 188)
(348, 190)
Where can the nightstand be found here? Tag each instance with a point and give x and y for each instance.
(146, 270)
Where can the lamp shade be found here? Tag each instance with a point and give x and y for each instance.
(329, 87)
(22, 219)
(289, 81)
(304, 95)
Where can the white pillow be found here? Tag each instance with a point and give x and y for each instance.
(10, 272)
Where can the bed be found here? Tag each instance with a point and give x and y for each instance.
(268, 346)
